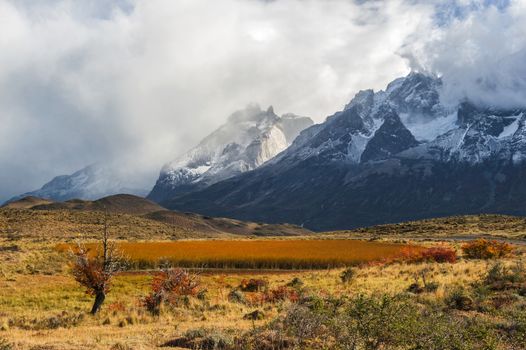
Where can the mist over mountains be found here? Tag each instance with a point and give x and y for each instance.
(248, 139)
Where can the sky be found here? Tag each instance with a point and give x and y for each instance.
(139, 82)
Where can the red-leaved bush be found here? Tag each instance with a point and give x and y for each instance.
(434, 254)
(169, 286)
(282, 293)
(253, 285)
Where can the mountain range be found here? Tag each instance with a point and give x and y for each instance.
(388, 156)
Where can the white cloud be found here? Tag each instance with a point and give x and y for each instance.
(144, 80)
(481, 56)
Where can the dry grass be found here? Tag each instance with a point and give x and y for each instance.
(503, 226)
(43, 225)
(68, 224)
(41, 306)
(29, 298)
(257, 254)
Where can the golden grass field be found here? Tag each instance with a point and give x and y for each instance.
(43, 308)
(28, 301)
(257, 254)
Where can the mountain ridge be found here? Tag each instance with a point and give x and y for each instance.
(423, 159)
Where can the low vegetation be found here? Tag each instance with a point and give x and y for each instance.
(486, 249)
(462, 226)
(169, 287)
(367, 295)
(258, 254)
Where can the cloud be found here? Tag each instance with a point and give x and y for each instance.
(143, 81)
(480, 54)
(136, 82)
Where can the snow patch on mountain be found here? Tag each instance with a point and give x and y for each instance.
(510, 129)
(428, 130)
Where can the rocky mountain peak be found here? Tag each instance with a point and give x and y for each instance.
(249, 138)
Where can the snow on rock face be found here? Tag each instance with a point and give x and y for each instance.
(427, 129)
(249, 138)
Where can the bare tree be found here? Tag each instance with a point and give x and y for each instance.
(96, 270)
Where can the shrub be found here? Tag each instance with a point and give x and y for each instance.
(347, 275)
(434, 254)
(428, 286)
(253, 285)
(254, 315)
(496, 273)
(381, 321)
(517, 329)
(170, 286)
(372, 323)
(459, 299)
(282, 293)
(431, 287)
(202, 294)
(296, 282)
(203, 339)
(265, 339)
(5, 345)
(486, 249)
(500, 277)
(304, 323)
(236, 296)
(415, 288)
(121, 346)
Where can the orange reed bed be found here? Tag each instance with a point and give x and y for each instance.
(255, 254)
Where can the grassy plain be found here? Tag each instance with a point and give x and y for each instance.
(42, 308)
(42, 312)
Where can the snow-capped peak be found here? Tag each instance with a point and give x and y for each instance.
(249, 138)
(465, 132)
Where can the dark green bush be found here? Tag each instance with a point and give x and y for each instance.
(5, 345)
(295, 283)
(236, 296)
(459, 299)
(348, 275)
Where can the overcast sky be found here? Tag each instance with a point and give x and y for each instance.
(143, 81)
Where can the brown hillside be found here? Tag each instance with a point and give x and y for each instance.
(27, 202)
(71, 224)
(67, 224)
(223, 225)
(119, 203)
